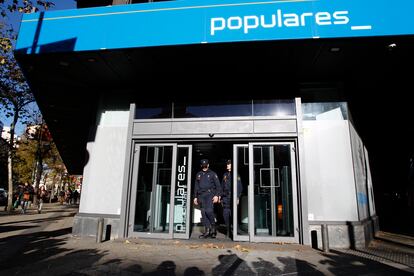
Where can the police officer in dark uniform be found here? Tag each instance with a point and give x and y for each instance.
(207, 190)
(226, 197)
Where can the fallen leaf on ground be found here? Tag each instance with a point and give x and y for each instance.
(211, 245)
(240, 248)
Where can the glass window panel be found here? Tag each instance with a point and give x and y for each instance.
(153, 189)
(212, 109)
(273, 200)
(274, 108)
(325, 111)
(243, 177)
(149, 111)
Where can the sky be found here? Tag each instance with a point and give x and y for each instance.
(14, 20)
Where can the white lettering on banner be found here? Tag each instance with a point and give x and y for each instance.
(277, 20)
(180, 197)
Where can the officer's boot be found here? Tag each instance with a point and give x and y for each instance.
(206, 234)
(213, 231)
(228, 233)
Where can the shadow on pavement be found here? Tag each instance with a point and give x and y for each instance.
(391, 251)
(46, 209)
(115, 267)
(290, 266)
(43, 253)
(37, 220)
(232, 264)
(10, 228)
(193, 271)
(337, 263)
(348, 263)
(48, 253)
(166, 268)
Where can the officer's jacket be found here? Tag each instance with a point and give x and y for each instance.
(207, 181)
(227, 184)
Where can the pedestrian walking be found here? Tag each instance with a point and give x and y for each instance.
(42, 195)
(27, 190)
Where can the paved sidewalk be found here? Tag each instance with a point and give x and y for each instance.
(396, 238)
(391, 247)
(42, 244)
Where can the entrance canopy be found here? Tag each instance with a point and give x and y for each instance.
(199, 22)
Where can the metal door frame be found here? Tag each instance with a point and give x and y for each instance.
(135, 173)
(237, 237)
(253, 238)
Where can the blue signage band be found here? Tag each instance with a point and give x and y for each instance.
(198, 22)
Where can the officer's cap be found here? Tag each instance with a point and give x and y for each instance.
(228, 162)
(203, 161)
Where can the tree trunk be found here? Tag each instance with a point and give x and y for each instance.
(39, 169)
(52, 191)
(10, 156)
(9, 205)
(39, 172)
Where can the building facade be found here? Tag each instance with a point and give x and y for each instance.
(295, 162)
(155, 87)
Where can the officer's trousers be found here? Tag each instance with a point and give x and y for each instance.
(207, 209)
(226, 210)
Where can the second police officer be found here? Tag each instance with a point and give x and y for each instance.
(207, 190)
(226, 196)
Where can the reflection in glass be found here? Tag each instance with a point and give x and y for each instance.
(212, 109)
(242, 171)
(153, 189)
(157, 111)
(278, 108)
(325, 111)
(274, 108)
(273, 206)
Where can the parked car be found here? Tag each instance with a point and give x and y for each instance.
(3, 196)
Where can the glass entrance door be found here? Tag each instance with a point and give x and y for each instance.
(272, 192)
(160, 191)
(241, 190)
